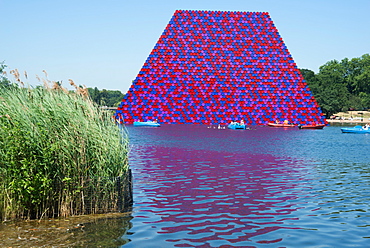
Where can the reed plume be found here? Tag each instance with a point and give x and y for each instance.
(46, 74)
(46, 84)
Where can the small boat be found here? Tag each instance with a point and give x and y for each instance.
(146, 123)
(236, 126)
(356, 129)
(271, 124)
(313, 126)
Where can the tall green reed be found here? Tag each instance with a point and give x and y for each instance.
(53, 146)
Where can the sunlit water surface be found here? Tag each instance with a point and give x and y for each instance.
(196, 186)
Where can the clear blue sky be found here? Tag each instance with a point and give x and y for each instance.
(105, 43)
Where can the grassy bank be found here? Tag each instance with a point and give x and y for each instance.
(54, 146)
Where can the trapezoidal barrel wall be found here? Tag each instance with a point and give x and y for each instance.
(213, 67)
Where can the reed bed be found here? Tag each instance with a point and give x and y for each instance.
(57, 150)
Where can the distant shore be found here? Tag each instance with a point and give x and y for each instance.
(351, 117)
(349, 121)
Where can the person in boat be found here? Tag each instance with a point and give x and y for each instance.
(277, 121)
(366, 127)
(155, 121)
(286, 122)
(242, 122)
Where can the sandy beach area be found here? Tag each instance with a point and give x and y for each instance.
(351, 117)
(364, 121)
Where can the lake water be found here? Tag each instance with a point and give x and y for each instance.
(196, 186)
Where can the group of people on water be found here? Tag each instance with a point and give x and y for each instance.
(286, 122)
(237, 123)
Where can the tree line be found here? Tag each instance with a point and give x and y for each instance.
(109, 98)
(341, 85)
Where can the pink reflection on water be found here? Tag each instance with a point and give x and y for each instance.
(208, 195)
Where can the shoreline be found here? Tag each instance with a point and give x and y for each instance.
(348, 121)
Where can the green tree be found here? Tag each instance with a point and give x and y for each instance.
(331, 90)
(308, 75)
(357, 74)
(4, 81)
(364, 99)
(110, 98)
(114, 98)
(311, 80)
(356, 102)
(94, 94)
(340, 86)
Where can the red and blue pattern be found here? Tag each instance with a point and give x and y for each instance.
(213, 67)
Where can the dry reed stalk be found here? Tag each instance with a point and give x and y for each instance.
(17, 73)
(46, 74)
(85, 92)
(72, 83)
(64, 90)
(46, 84)
(55, 86)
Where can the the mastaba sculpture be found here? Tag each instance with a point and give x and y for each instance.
(213, 67)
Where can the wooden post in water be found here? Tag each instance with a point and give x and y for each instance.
(128, 199)
(124, 189)
(119, 193)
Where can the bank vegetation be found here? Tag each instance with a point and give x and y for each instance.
(60, 154)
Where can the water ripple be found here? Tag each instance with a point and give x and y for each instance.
(205, 197)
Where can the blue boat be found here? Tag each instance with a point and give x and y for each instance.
(356, 129)
(236, 126)
(146, 123)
